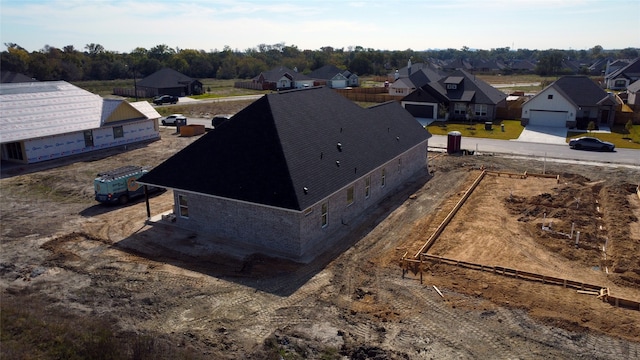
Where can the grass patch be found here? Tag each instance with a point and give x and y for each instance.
(512, 129)
(40, 331)
(619, 136)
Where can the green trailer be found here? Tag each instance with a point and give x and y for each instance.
(119, 185)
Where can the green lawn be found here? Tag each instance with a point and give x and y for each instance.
(619, 136)
(512, 129)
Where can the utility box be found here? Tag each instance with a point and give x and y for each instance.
(488, 125)
(453, 142)
(180, 122)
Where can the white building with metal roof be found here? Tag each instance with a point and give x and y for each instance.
(47, 120)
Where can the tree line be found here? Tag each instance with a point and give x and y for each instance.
(94, 62)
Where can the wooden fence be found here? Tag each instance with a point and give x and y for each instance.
(415, 266)
(371, 94)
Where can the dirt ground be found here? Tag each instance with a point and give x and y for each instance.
(74, 257)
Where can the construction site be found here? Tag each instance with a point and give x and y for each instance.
(479, 256)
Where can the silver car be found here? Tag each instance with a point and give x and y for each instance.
(173, 119)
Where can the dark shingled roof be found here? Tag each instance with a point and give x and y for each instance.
(288, 141)
(581, 90)
(275, 74)
(165, 78)
(483, 93)
(327, 72)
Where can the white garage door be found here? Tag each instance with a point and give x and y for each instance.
(548, 118)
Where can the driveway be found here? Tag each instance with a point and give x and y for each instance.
(543, 134)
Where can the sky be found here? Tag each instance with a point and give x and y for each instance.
(212, 25)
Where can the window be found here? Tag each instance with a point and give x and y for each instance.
(325, 215)
(459, 109)
(619, 83)
(586, 113)
(118, 132)
(452, 86)
(367, 187)
(350, 196)
(383, 178)
(14, 151)
(481, 109)
(88, 138)
(550, 96)
(184, 206)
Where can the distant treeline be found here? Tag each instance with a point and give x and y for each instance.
(97, 63)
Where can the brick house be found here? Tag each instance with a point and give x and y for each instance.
(291, 169)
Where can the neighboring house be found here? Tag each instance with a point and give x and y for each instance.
(457, 64)
(282, 78)
(169, 82)
(334, 77)
(51, 119)
(571, 101)
(12, 77)
(624, 76)
(522, 67)
(413, 77)
(633, 91)
(459, 95)
(488, 66)
(292, 169)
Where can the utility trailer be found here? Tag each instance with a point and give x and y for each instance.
(120, 185)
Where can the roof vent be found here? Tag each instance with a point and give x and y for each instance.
(339, 146)
(305, 189)
(321, 155)
(338, 163)
(397, 138)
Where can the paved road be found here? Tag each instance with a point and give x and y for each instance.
(553, 152)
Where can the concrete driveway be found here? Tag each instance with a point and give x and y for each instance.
(544, 135)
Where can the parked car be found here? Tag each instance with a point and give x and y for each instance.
(590, 143)
(174, 119)
(220, 119)
(165, 99)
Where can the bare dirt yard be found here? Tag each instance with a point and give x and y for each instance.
(70, 266)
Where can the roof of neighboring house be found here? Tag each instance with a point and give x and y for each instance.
(634, 87)
(522, 65)
(12, 77)
(580, 90)
(36, 109)
(404, 72)
(630, 71)
(291, 149)
(458, 64)
(164, 79)
(425, 75)
(328, 72)
(275, 74)
(470, 89)
(488, 64)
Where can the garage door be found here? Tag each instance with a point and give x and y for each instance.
(420, 111)
(548, 118)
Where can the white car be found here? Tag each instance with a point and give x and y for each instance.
(174, 119)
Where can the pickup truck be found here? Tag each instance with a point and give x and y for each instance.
(165, 99)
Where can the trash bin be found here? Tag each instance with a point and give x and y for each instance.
(180, 122)
(487, 125)
(453, 142)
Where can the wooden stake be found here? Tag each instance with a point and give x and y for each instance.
(439, 293)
